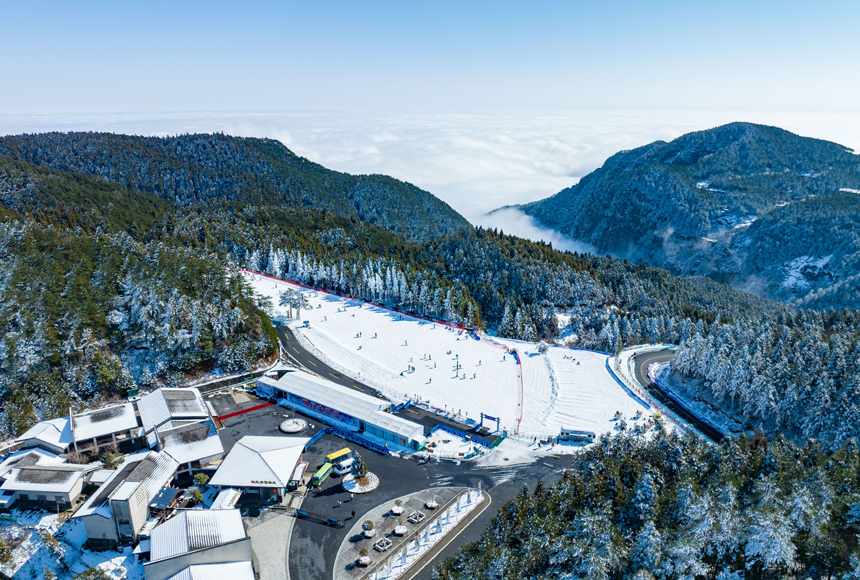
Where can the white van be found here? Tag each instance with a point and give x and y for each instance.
(344, 466)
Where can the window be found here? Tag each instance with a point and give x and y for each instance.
(23, 497)
(42, 498)
(59, 498)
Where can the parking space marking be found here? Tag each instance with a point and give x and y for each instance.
(411, 411)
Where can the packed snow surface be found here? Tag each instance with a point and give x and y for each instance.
(404, 357)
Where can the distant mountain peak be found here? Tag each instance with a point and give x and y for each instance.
(737, 203)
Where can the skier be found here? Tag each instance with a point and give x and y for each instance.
(351, 496)
(479, 363)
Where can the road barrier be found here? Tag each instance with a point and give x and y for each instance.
(634, 385)
(458, 433)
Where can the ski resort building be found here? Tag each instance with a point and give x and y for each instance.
(34, 479)
(115, 514)
(261, 466)
(200, 544)
(167, 408)
(343, 408)
(88, 432)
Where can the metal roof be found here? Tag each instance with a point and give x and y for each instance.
(104, 421)
(166, 404)
(148, 468)
(191, 530)
(164, 498)
(260, 462)
(330, 394)
(225, 571)
(191, 442)
(394, 424)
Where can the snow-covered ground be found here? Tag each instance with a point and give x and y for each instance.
(32, 554)
(405, 357)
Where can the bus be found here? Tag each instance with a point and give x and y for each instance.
(339, 456)
(321, 475)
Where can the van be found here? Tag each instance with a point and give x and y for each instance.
(344, 466)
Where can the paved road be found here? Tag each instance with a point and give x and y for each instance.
(641, 363)
(313, 546)
(310, 362)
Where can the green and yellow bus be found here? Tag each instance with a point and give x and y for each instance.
(339, 456)
(321, 475)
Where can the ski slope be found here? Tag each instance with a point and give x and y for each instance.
(406, 357)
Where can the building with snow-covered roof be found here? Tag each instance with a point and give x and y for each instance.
(44, 481)
(54, 435)
(115, 514)
(343, 407)
(261, 466)
(224, 571)
(169, 408)
(86, 432)
(194, 538)
(194, 445)
(94, 430)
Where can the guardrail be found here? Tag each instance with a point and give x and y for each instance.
(633, 384)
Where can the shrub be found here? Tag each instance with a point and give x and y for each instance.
(201, 479)
(367, 525)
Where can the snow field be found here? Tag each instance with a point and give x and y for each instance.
(32, 555)
(556, 391)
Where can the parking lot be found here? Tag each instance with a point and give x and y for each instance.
(313, 546)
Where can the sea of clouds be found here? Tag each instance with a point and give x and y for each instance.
(476, 162)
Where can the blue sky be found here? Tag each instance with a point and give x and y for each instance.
(61, 57)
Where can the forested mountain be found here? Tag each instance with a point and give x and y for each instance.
(87, 261)
(89, 309)
(679, 509)
(753, 206)
(198, 169)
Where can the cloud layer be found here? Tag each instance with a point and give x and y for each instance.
(475, 162)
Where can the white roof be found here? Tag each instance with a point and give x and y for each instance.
(148, 468)
(166, 404)
(56, 432)
(226, 499)
(332, 395)
(225, 571)
(394, 424)
(191, 442)
(48, 478)
(101, 476)
(349, 401)
(299, 471)
(193, 530)
(104, 421)
(260, 462)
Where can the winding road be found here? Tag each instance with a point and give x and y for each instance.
(641, 363)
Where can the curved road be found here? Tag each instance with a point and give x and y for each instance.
(299, 354)
(640, 369)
